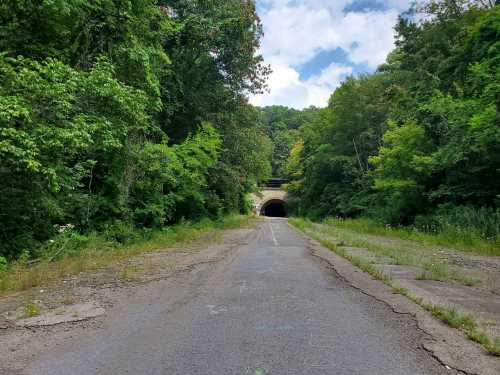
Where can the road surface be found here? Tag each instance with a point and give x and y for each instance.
(270, 307)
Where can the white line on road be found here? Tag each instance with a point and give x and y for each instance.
(272, 233)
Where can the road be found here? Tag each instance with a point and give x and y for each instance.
(270, 307)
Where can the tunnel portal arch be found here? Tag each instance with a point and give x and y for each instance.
(267, 195)
(274, 208)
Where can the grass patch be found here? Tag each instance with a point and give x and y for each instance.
(464, 241)
(440, 272)
(31, 310)
(129, 273)
(359, 262)
(96, 252)
(410, 253)
(453, 318)
(449, 316)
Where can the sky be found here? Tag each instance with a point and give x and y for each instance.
(312, 45)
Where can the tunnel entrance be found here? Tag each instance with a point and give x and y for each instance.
(274, 208)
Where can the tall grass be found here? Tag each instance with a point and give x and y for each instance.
(460, 235)
(71, 253)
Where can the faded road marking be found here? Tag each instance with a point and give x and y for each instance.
(272, 234)
(214, 309)
(243, 286)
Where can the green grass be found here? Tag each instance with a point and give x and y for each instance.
(440, 272)
(414, 253)
(359, 262)
(31, 310)
(449, 316)
(453, 318)
(80, 254)
(416, 256)
(458, 240)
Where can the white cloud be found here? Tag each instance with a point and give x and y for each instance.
(295, 31)
(287, 89)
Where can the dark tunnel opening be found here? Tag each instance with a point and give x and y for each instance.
(274, 208)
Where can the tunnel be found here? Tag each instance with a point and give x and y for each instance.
(274, 208)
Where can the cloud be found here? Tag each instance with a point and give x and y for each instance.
(286, 87)
(295, 31)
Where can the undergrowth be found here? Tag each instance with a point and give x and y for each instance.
(71, 253)
(449, 236)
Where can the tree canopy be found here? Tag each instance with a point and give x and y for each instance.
(122, 113)
(420, 138)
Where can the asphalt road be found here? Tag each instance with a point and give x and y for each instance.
(269, 308)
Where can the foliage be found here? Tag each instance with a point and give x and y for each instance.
(3, 265)
(333, 164)
(281, 125)
(31, 310)
(119, 114)
(418, 141)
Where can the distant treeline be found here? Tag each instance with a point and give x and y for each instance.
(118, 115)
(418, 141)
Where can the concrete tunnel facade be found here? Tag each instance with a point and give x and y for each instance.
(271, 202)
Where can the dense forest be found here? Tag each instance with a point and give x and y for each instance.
(282, 127)
(124, 115)
(415, 143)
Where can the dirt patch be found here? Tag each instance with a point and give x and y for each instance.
(89, 294)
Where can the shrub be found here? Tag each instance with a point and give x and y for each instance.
(3, 265)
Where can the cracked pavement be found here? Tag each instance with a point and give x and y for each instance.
(268, 306)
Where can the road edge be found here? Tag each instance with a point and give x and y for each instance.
(449, 346)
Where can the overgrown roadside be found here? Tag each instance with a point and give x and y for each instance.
(29, 290)
(461, 289)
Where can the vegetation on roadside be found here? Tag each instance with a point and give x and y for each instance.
(409, 253)
(79, 253)
(458, 320)
(450, 236)
(125, 116)
(415, 144)
(31, 310)
(450, 316)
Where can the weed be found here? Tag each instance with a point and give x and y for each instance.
(128, 273)
(400, 290)
(31, 310)
(453, 318)
(481, 337)
(442, 272)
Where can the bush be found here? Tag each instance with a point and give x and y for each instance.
(3, 265)
(67, 243)
(120, 232)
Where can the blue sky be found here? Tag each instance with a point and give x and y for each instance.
(312, 45)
